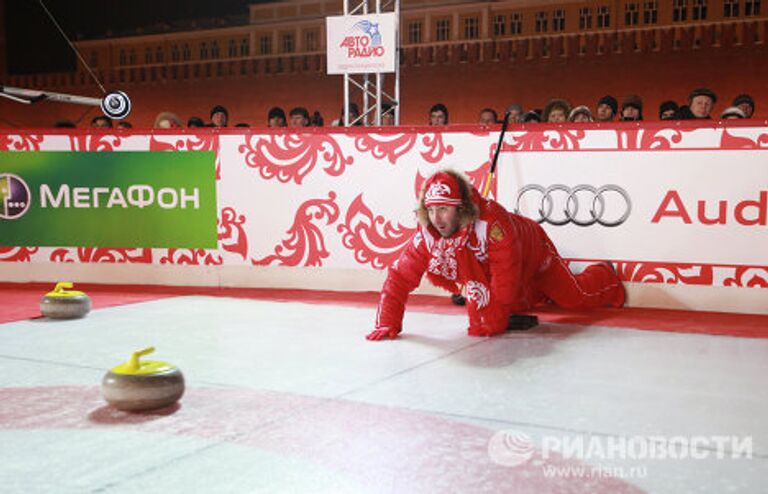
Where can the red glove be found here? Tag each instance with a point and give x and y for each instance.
(492, 322)
(382, 334)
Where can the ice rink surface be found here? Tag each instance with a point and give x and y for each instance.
(290, 397)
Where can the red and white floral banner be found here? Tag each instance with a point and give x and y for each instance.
(344, 199)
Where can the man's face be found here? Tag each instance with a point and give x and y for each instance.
(437, 118)
(445, 219)
(487, 118)
(388, 119)
(630, 113)
(219, 119)
(298, 120)
(276, 122)
(604, 113)
(557, 115)
(701, 106)
(747, 109)
(101, 123)
(514, 116)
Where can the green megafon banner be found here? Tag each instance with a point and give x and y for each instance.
(108, 199)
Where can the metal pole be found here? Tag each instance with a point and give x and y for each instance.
(32, 96)
(379, 80)
(366, 81)
(345, 110)
(397, 63)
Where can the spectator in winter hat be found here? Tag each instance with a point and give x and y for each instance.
(746, 104)
(607, 108)
(667, 110)
(732, 112)
(701, 101)
(581, 114)
(632, 108)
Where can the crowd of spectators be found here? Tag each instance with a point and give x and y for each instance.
(699, 105)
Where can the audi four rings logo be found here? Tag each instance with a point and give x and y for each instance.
(14, 196)
(582, 205)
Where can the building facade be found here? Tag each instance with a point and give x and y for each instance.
(467, 55)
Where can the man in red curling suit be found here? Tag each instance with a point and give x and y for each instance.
(505, 261)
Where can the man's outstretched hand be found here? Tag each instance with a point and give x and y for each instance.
(382, 334)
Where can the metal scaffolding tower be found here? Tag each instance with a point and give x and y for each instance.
(377, 88)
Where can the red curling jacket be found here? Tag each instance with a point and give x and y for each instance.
(495, 257)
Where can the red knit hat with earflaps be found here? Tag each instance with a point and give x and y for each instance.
(442, 189)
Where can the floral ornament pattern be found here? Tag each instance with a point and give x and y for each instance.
(373, 240)
(390, 146)
(25, 142)
(102, 255)
(96, 142)
(292, 157)
(17, 254)
(305, 245)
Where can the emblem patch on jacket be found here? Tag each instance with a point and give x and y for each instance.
(497, 233)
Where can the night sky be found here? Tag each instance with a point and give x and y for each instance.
(35, 45)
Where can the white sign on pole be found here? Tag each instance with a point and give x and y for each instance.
(361, 44)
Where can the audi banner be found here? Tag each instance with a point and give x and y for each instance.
(681, 206)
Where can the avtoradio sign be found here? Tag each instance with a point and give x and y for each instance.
(361, 44)
(116, 199)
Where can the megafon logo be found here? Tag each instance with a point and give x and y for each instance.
(366, 46)
(15, 197)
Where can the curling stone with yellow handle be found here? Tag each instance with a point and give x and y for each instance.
(138, 386)
(63, 303)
